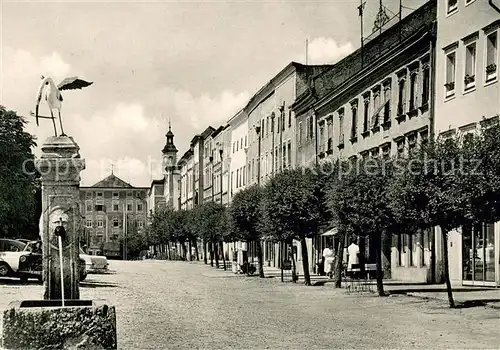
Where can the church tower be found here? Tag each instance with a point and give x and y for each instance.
(170, 169)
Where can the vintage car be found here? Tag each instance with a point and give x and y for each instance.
(24, 260)
(17, 261)
(94, 263)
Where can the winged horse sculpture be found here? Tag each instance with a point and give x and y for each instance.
(54, 98)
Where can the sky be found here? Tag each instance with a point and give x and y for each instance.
(195, 63)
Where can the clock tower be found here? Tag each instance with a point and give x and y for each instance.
(170, 171)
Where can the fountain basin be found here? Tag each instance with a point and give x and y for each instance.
(46, 324)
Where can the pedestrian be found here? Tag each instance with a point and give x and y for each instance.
(329, 255)
(352, 255)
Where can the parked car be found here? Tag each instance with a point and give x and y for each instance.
(94, 263)
(17, 261)
(30, 262)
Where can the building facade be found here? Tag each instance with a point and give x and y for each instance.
(114, 210)
(467, 99)
(376, 102)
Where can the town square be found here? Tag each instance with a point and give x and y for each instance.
(250, 174)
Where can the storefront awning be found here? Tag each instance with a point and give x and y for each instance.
(331, 232)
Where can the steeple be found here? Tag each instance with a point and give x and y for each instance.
(169, 146)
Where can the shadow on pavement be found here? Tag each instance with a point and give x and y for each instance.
(91, 284)
(437, 290)
(16, 281)
(475, 303)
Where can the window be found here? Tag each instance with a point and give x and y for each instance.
(115, 207)
(284, 156)
(412, 142)
(311, 127)
(290, 119)
(100, 194)
(402, 97)
(321, 137)
(245, 140)
(129, 207)
(88, 223)
(100, 223)
(237, 178)
(387, 103)
(470, 66)
(400, 144)
(276, 158)
(452, 6)
(424, 138)
(491, 56)
(450, 74)
(376, 109)
(354, 121)
(426, 85)
(88, 206)
(267, 126)
(289, 146)
(130, 194)
(140, 224)
(366, 112)
(234, 146)
(299, 133)
(88, 195)
(386, 151)
(116, 223)
(139, 206)
(116, 195)
(341, 127)
(375, 152)
(413, 91)
(99, 207)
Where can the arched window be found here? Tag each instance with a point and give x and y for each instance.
(413, 91)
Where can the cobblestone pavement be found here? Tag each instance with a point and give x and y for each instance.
(173, 305)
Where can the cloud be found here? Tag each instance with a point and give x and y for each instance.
(204, 110)
(21, 69)
(326, 50)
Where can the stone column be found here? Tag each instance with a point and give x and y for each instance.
(60, 166)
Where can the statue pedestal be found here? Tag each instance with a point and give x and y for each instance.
(60, 166)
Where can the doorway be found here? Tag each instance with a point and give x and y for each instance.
(478, 255)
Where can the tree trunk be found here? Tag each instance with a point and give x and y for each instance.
(294, 267)
(184, 250)
(305, 261)
(377, 240)
(211, 254)
(339, 262)
(223, 255)
(362, 254)
(446, 268)
(281, 260)
(205, 252)
(260, 258)
(190, 250)
(216, 253)
(195, 243)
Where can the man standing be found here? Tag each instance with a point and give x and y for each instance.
(353, 255)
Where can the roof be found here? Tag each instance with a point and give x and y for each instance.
(218, 131)
(112, 181)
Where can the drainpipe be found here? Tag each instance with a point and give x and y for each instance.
(492, 4)
(432, 122)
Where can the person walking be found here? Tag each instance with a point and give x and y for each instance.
(329, 255)
(353, 255)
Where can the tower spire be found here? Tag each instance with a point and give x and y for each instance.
(169, 124)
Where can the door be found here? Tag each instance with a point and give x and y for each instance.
(478, 255)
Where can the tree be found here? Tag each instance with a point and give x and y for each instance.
(439, 186)
(358, 199)
(210, 222)
(244, 215)
(18, 206)
(291, 210)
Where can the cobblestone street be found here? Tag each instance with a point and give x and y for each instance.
(169, 305)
